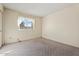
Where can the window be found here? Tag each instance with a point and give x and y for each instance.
(25, 23)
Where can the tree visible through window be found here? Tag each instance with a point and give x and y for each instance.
(25, 23)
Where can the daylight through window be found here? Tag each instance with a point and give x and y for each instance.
(25, 23)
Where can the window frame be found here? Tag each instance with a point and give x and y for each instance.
(33, 23)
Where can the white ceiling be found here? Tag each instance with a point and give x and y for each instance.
(37, 9)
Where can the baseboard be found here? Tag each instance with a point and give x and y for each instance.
(24, 40)
(43, 38)
(60, 42)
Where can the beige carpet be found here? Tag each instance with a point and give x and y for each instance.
(38, 47)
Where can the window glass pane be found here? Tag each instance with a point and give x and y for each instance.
(24, 23)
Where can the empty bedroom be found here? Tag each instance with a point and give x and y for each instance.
(39, 29)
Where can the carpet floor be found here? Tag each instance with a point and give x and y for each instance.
(38, 47)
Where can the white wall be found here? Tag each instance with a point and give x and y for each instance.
(11, 28)
(0, 29)
(1, 11)
(63, 26)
